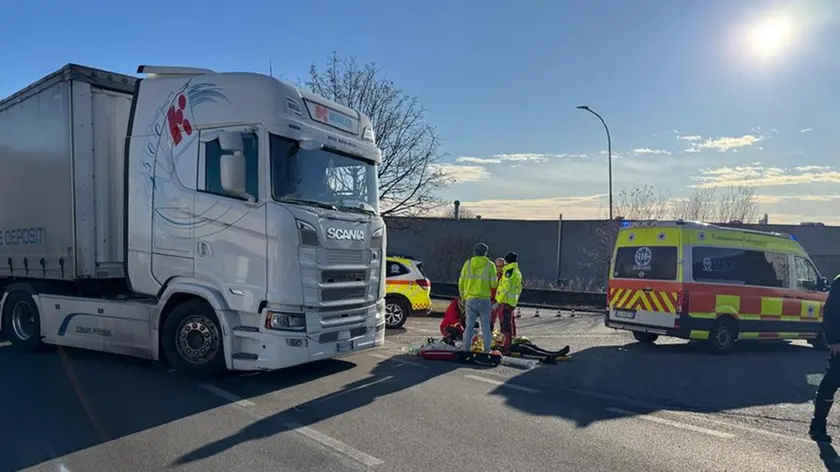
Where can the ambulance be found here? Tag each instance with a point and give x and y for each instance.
(713, 284)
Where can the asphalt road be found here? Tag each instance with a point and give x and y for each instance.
(615, 406)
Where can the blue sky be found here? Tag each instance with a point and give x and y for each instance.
(690, 100)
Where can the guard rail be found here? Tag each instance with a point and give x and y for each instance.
(538, 297)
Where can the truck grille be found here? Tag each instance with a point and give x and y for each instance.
(339, 257)
(336, 294)
(340, 276)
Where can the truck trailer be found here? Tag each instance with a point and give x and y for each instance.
(213, 220)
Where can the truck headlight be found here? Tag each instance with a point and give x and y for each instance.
(380, 310)
(285, 321)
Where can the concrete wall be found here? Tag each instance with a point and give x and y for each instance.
(584, 247)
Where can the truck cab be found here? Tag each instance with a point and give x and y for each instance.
(267, 196)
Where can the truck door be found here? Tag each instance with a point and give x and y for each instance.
(230, 240)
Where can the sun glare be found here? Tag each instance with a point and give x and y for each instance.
(770, 37)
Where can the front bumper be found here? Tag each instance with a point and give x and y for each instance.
(280, 349)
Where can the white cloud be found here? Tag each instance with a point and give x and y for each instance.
(460, 174)
(724, 144)
(755, 175)
(648, 151)
(519, 157)
(805, 130)
(579, 207)
(692, 137)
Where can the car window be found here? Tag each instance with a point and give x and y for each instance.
(646, 262)
(740, 266)
(396, 269)
(806, 275)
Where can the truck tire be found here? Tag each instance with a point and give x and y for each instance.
(22, 321)
(645, 338)
(396, 312)
(723, 336)
(192, 340)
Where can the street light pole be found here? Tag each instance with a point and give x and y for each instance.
(609, 152)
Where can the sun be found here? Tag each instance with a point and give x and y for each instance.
(770, 37)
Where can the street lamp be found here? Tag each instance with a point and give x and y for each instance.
(609, 151)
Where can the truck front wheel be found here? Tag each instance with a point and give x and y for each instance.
(192, 339)
(22, 321)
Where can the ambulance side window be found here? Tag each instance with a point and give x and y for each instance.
(806, 274)
(395, 269)
(740, 266)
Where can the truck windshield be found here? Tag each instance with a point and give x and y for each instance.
(322, 178)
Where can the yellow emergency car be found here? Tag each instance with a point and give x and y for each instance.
(713, 284)
(408, 291)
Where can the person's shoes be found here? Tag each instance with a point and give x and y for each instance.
(564, 352)
(818, 432)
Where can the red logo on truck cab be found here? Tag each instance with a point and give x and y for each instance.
(177, 122)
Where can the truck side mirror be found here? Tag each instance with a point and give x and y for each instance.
(232, 170)
(231, 141)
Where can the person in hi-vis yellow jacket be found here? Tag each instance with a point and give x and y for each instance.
(478, 278)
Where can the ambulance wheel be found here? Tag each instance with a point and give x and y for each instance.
(646, 338)
(22, 321)
(722, 337)
(192, 340)
(819, 343)
(396, 312)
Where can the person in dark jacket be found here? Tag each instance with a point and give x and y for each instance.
(830, 383)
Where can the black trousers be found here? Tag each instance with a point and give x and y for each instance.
(829, 385)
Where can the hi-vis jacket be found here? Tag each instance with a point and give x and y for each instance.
(478, 276)
(510, 285)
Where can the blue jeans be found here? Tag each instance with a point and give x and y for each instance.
(477, 309)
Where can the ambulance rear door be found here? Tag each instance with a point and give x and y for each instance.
(645, 279)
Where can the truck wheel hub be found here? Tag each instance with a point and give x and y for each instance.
(198, 339)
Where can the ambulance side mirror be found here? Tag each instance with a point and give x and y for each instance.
(823, 285)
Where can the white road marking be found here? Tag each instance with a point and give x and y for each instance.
(399, 361)
(63, 468)
(227, 395)
(675, 424)
(335, 444)
(499, 383)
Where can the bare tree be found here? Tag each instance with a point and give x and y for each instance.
(699, 206)
(642, 203)
(737, 204)
(449, 251)
(409, 175)
(719, 206)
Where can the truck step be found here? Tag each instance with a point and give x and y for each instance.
(246, 356)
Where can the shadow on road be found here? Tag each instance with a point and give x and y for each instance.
(379, 383)
(829, 457)
(66, 400)
(676, 377)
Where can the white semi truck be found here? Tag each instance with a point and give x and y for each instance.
(214, 220)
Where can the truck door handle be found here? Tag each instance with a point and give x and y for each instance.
(203, 248)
